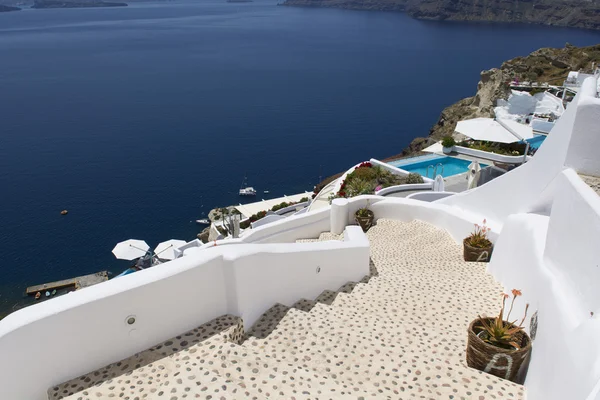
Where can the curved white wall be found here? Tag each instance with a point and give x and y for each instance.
(554, 261)
(54, 341)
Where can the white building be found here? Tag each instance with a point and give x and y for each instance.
(399, 334)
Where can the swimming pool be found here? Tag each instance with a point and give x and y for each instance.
(451, 165)
(536, 141)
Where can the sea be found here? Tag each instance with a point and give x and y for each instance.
(139, 120)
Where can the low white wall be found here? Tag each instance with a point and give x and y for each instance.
(293, 207)
(490, 156)
(308, 225)
(52, 342)
(458, 223)
(267, 219)
(405, 188)
(430, 196)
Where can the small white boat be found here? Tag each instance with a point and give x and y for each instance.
(203, 221)
(247, 190)
(265, 191)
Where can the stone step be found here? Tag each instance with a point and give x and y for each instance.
(148, 370)
(381, 356)
(431, 314)
(250, 369)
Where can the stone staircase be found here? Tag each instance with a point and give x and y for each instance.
(400, 333)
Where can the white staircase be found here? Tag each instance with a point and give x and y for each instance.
(401, 333)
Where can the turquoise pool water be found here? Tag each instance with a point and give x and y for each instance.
(451, 165)
(536, 141)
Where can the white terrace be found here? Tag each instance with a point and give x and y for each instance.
(310, 307)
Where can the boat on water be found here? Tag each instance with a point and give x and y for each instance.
(203, 221)
(247, 190)
(38, 295)
(265, 191)
(47, 293)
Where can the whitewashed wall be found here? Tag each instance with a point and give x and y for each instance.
(554, 261)
(458, 223)
(52, 342)
(491, 156)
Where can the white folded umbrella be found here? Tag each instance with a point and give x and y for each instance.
(438, 183)
(130, 249)
(494, 130)
(473, 177)
(166, 250)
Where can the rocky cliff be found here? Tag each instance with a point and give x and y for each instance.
(572, 13)
(74, 4)
(579, 14)
(544, 65)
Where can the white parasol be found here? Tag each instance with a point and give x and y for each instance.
(130, 249)
(473, 177)
(166, 250)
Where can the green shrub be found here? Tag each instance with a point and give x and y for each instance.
(448, 141)
(304, 200)
(413, 177)
(364, 173)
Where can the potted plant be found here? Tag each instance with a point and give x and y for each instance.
(497, 346)
(477, 247)
(364, 217)
(448, 144)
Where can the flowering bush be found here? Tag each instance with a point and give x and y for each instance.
(368, 179)
(500, 332)
(479, 237)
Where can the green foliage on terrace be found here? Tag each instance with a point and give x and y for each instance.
(368, 179)
(512, 149)
(262, 214)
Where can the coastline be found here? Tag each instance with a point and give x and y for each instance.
(567, 13)
(549, 64)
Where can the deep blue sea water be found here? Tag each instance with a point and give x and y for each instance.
(139, 119)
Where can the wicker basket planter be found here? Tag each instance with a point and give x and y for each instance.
(479, 254)
(365, 222)
(500, 362)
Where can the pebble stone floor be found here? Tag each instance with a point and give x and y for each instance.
(400, 333)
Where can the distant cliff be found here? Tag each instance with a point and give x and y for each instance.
(572, 13)
(4, 8)
(74, 4)
(577, 14)
(544, 65)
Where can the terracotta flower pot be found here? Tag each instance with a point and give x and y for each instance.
(478, 254)
(498, 361)
(365, 222)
